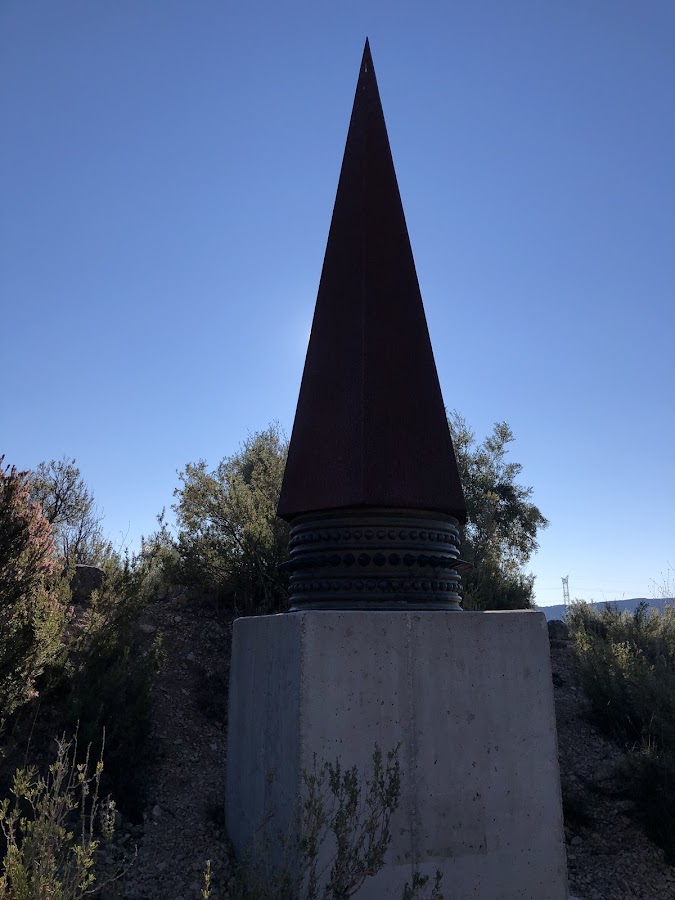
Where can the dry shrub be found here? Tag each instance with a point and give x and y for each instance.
(52, 829)
(339, 839)
(627, 666)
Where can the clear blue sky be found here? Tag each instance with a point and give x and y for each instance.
(167, 176)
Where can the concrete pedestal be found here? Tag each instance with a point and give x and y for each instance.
(469, 698)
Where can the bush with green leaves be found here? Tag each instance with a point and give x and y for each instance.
(627, 667)
(158, 566)
(52, 829)
(230, 540)
(98, 670)
(338, 839)
(503, 523)
(113, 666)
(33, 596)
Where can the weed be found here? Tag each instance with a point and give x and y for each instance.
(206, 890)
(339, 839)
(51, 829)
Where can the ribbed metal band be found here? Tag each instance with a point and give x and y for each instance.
(374, 559)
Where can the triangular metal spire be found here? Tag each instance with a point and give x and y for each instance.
(370, 427)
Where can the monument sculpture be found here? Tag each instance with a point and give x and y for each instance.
(371, 485)
(375, 648)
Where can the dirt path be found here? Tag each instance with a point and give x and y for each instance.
(183, 823)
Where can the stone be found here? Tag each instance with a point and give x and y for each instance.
(469, 698)
(178, 597)
(558, 630)
(85, 580)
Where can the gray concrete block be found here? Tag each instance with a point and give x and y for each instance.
(469, 698)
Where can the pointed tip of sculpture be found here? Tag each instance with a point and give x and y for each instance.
(367, 60)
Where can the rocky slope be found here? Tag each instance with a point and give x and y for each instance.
(183, 823)
(609, 857)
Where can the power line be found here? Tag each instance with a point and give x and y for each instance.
(583, 587)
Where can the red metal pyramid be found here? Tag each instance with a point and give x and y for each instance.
(370, 427)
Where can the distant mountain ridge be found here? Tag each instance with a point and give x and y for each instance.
(558, 611)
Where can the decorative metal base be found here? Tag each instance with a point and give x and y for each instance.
(389, 559)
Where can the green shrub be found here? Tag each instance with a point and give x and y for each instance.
(627, 667)
(52, 829)
(33, 598)
(503, 524)
(113, 669)
(99, 675)
(493, 586)
(159, 566)
(230, 539)
(99, 670)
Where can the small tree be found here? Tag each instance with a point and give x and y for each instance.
(32, 598)
(69, 507)
(502, 523)
(230, 539)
